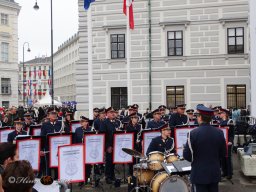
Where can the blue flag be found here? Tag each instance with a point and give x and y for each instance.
(87, 3)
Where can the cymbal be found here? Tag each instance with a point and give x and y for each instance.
(133, 153)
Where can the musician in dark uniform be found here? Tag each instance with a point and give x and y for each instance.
(191, 117)
(179, 118)
(52, 126)
(69, 117)
(79, 137)
(205, 148)
(216, 117)
(172, 110)
(136, 109)
(163, 143)
(156, 122)
(95, 113)
(18, 123)
(109, 127)
(227, 167)
(99, 121)
(164, 116)
(134, 126)
(131, 110)
(28, 122)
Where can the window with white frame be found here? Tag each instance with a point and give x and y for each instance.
(4, 19)
(235, 40)
(175, 43)
(4, 52)
(6, 86)
(117, 46)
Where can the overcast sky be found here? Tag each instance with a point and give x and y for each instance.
(35, 26)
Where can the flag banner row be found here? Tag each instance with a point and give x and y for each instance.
(38, 73)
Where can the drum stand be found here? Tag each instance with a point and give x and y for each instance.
(125, 180)
(137, 188)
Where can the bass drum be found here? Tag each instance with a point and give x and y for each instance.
(143, 173)
(174, 184)
(157, 180)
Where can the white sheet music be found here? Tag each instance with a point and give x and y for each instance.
(147, 138)
(74, 126)
(181, 135)
(37, 132)
(124, 140)
(94, 149)
(55, 142)
(72, 165)
(29, 150)
(4, 135)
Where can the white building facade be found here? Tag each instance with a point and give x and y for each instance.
(9, 12)
(253, 55)
(186, 51)
(36, 81)
(64, 62)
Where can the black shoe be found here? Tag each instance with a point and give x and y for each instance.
(109, 181)
(229, 177)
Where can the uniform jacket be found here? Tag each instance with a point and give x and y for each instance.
(109, 127)
(209, 147)
(157, 144)
(231, 130)
(14, 134)
(177, 119)
(79, 134)
(155, 124)
(98, 124)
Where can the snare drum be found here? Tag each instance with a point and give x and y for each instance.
(143, 173)
(174, 183)
(157, 180)
(155, 160)
(171, 158)
(156, 156)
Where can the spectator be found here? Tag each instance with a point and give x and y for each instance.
(8, 154)
(12, 116)
(18, 170)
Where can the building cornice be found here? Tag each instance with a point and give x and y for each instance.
(231, 20)
(113, 27)
(171, 23)
(9, 4)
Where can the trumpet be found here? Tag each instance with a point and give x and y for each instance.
(139, 134)
(120, 125)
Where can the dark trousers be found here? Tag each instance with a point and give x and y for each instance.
(213, 187)
(227, 167)
(110, 167)
(88, 169)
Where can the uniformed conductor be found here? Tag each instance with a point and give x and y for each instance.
(205, 148)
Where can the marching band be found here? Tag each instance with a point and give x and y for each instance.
(161, 149)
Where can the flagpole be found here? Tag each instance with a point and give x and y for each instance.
(129, 90)
(90, 74)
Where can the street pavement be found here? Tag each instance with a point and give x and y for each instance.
(241, 183)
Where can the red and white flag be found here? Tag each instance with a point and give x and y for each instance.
(131, 18)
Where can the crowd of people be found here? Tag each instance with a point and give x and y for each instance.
(110, 120)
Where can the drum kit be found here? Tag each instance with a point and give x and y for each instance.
(152, 176)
